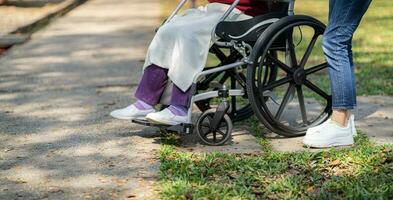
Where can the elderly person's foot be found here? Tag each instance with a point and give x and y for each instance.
(330, 134)
(138, 110)
(173, 115)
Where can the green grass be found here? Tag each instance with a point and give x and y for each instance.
(361, 172)
(364, 171)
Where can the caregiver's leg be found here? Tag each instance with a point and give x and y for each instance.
(344, 18)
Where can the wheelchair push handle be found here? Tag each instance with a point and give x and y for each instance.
(177, 9)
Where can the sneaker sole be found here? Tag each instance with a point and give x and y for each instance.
(341, 141)
(163, 122)
(127, 118)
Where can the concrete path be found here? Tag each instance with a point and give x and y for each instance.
(56, 138)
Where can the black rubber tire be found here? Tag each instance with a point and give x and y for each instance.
(260, 50)
(226, 120)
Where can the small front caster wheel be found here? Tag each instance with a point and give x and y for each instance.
(208, 135)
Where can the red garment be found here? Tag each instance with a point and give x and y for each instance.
(248, 7)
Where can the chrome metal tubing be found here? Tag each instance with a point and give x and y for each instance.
(179, 6)
(217, 69)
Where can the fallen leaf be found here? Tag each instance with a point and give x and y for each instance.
(20, 182)
(131, 196)
(310, 189)
(233, 175)
(56, 190)
(335, 163)
(9, 149)
(189, 196)
(257, 191)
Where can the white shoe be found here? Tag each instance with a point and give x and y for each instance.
(329, 134)
(130, 112)
(166, 117)
(322, 126)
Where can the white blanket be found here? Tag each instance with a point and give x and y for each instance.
(182, 45)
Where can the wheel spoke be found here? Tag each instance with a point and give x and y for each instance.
(262, 65)
(301, 104)
(265, 76)
(308, 51)
(205, 125)
(316, 89)
(241, 78)
(221, 133)
(282, 65)
(224, 78)
(287, 96)
(233, 98)
(316, 68)
(206, 134)
(292, 53)
(274, 84)
(205, 83)
(219, 54)
(214, 136)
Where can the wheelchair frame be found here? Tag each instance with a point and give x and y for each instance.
(222, 93)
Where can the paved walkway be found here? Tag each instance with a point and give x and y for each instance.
(56, 138)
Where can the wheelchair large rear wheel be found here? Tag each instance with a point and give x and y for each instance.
(300, 97)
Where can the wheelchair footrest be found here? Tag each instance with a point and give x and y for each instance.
(180, 128)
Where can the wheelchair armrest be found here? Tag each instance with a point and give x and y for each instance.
(223, 18)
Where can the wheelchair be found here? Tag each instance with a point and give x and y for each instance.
(260, 72)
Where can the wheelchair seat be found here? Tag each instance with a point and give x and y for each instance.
(246, 30)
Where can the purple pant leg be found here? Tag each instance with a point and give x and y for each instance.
(152, 85)
(180, 98)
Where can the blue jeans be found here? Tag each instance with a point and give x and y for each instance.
(344, 18)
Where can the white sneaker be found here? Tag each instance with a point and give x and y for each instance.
(166, 117)
(130, 112)
(330, 135)
(322, 126)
